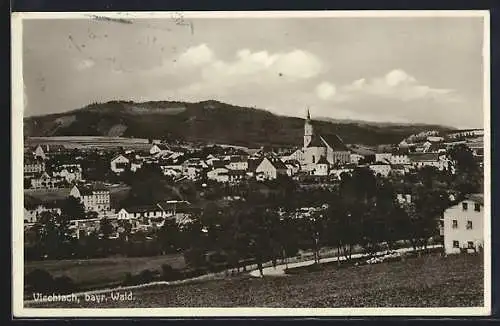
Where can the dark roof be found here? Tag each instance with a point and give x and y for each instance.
(316, 142)
(142, 209)
(424, 156)
(89, 188)
(334, 142)
(253, 164)
(477, 198)
(277, 163)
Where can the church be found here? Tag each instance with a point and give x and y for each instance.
(316, 147)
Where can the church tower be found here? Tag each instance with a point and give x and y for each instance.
(308, 130)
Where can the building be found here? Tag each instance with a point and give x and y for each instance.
(322, 167)
(420, 160)
(270, 168)
(383, 157)
(33, 213)
(93, 197)
(237, 163)
(120, 163)
(45, 181)
(34, 166)
(218, 174)
(147, 214)
(70, 172)
(463, 225)
(40, 153)
(380, 169)
(316, 146)
(158, 149)
(399, 158)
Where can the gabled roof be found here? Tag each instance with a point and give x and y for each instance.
(334, 142)
(277, 163)
(88, 189)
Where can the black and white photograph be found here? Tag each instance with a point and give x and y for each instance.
(251, 163)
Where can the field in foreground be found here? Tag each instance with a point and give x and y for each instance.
(430, 281)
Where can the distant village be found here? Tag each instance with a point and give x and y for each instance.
(320, 161)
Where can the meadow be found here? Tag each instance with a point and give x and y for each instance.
(427, 281)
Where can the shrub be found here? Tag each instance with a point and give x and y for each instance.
(146, 276)
(39, 280)
(168, 273)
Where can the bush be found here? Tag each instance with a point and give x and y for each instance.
(168, 273)
(39, 280)
(146, 276)
(64, 285)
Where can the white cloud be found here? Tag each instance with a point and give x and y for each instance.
(325, 90)
(396, 84)
(85, 64)
(196, 55)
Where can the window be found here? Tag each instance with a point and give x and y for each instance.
(454, 224)
(464, 206)
(470, 245)
(477, 207)
(456, 244)
(469, 225)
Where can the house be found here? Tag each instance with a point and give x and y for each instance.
(463, 225)
(383, 157)
(45, 181)
(236, 176)
(33, 212)
(322, 167)
(180, 210)
(120, 163)
(70, 172)
(40, 153)
(403, 198)
(399, 158)
(270, 168)
(237, 163)
(85, 227)
(218, 174)
(420, 160)
(293, 167)
(355, 158)
(380, 169)
(94, 198)
(34, 166)
(157, 149)
(147, 214)
(135, 165)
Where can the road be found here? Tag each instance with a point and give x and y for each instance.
(279, 270)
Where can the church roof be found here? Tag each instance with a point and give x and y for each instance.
(334, 142)
(316, 142)
(322, 160)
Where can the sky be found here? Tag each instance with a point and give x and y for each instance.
(410, 70)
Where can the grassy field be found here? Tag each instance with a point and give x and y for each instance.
(94, 273)
(430, 281)
(117, 194)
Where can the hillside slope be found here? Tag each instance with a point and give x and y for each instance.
(207, 121)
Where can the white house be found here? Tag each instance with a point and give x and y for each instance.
(382, 157)
(93, 197)
(34, 166)
(237, 163)
(463, 225)
(70, 172)
(45, 181)
(399, 159)
(269, 169)
(40, 153)
(380, 168)
(420, 160)
(322, 167)
(119, 163)
(157, 149)
(218, 174)
(31, 214)
(355, 158)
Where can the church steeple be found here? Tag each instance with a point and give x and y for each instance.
(308, 130)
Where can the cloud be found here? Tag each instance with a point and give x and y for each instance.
(325, 90)
(85, 64)
(196, 55)
(397, 84)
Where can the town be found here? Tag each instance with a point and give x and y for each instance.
(223, 206)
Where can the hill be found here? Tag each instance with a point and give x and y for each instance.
(207, 121)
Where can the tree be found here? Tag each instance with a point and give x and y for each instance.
(72, 208)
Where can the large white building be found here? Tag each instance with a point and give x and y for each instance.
(463, 225)
(93, 197)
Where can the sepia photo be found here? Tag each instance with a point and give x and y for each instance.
(251, 163)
